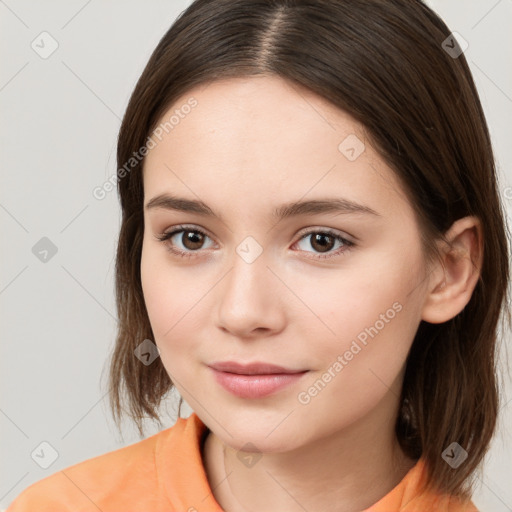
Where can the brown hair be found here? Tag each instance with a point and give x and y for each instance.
(383, 62)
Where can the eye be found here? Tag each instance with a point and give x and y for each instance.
(323, 241)
(191, 239)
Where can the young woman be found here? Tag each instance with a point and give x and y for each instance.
(313, 252)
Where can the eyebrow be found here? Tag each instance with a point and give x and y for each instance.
(311, 207)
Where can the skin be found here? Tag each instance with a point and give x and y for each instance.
(250, 145)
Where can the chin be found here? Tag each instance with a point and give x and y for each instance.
(267, 432)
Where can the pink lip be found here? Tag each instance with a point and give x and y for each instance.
(254, 380)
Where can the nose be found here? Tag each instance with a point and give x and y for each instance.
(250, 298)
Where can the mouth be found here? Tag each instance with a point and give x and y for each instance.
(256, 368)
(254, 380)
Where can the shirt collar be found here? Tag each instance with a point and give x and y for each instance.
(182, 474)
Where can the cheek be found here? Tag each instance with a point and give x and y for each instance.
(369, 318)
(163, 295)
(344, 307)
(364, 362)
(174, 304)
(155, 287)
(363, 332)
(168, 292)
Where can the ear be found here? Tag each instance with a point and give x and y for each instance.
(453, 279)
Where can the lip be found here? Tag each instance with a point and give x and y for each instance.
(254, 380)
(256, 368)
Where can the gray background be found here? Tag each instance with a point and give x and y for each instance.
(59, 123)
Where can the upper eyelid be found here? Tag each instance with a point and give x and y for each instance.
(333, 231)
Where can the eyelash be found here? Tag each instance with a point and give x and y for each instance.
(164, 237)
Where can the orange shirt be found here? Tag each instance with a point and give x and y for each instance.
(165, 472)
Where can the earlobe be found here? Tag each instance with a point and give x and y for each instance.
(453, 280)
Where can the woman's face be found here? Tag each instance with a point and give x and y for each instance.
(260, 287)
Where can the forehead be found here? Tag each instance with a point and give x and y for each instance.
(263, 138)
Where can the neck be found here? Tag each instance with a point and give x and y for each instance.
(347, 471)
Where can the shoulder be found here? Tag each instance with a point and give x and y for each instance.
(108, 479)
(441, 503)
(412, 495)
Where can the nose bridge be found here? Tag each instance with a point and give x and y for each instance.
(249, 269)
(249, 299)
